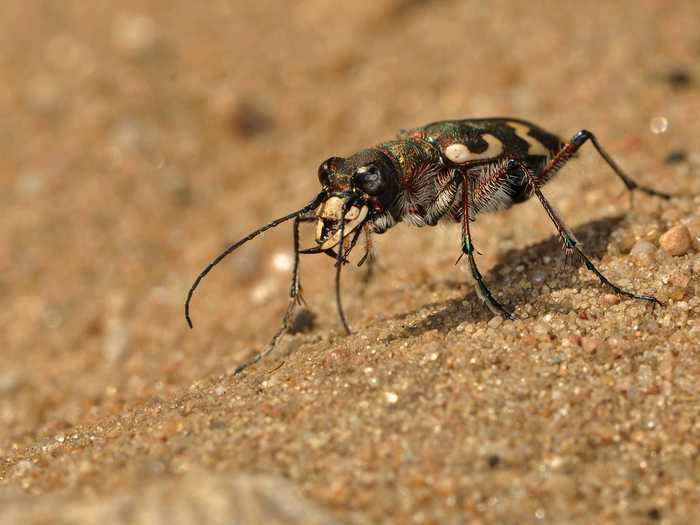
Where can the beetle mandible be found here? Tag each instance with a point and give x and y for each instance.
(448, 170)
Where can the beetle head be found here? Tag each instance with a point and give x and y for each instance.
(358, 188)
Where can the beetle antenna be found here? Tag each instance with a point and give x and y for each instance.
(339, 266)
(310, 206)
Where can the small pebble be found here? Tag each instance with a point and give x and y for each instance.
(672, 215)
(495, 321)
(539, 277)
(10, 380)
(642, 246)
(676, 156)
(591, 344)
(303, 321)
(694, 228)
(610, 299)
(676, 241)
(679, 78)
(135, 35)
(391, 397)
(282, 262)
(248, 119)
(658, 125)
(680, 279)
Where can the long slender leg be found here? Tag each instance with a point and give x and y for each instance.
(369, 257)
(468, 250)
(569, 241)
(339, 266)
(295, 295)
(295, 298)
(351, 245)
(570, 149)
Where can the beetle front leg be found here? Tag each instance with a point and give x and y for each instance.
(468, 249)
(295, 299)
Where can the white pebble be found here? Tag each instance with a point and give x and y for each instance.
(135, 35)
(282, 262)
(658, 125)
(642, 246)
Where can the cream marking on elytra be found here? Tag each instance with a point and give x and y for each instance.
(460, 153)
(535, 147)
(457, 153)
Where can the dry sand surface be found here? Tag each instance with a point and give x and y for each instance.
(139, 138)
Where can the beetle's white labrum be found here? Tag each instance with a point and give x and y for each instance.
(331, 210)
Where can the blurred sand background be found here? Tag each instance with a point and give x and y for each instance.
(139, 138)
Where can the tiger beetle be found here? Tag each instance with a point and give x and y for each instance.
(449, 170)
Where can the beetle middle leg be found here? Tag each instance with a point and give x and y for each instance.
(468, 249)
(568, 239)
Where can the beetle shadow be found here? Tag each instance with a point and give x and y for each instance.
(593, 236)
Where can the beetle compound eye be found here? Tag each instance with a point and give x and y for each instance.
(325, 170)
(369, 179)
(324, 173)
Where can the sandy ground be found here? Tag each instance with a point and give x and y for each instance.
(140, 137)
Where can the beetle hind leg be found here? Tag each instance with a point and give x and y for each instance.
(572, 147)
(570, 243)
